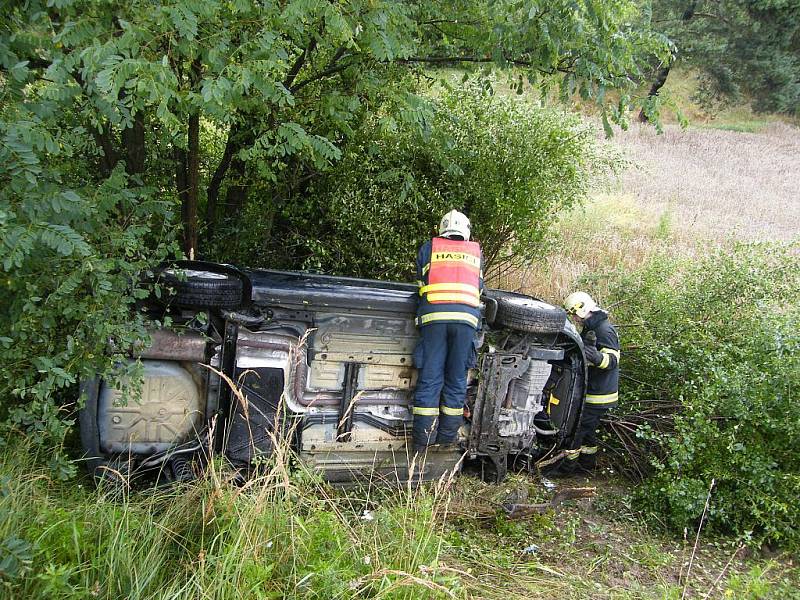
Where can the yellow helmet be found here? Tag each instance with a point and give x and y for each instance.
(580, 304)
(454, 223)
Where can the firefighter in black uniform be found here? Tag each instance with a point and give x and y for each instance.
(601, 347)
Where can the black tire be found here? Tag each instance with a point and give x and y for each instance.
(528, 314)
(193, 288)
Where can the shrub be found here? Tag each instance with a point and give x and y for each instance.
(510, 166)
(710, 378)
(70, 252)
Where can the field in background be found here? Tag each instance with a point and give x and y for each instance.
(683, 189)
(717, 184)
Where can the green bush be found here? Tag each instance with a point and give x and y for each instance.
(711, 376)
(510, 166)
(71, 251)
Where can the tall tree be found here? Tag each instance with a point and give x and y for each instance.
(281, 84)
(739, 47)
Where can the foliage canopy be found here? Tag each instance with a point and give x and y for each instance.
(368, 214)
(282, 84)
(740, 48)
(711, 381)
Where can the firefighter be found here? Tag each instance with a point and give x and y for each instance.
(450, 278)
(601, 347)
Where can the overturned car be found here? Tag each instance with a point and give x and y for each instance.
(325, 365)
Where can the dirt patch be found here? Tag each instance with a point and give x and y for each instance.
(598, 548)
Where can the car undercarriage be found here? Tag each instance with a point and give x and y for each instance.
(325, 365)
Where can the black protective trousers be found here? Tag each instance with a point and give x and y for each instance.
(584, 447)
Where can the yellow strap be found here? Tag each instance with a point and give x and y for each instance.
(426, 268)
(425, 411)
(472, 261)
(450, 287)
(602, 398)
(449, 316)
(588, 449)
(467, 299)
(610, 351)
(572, 454)
(453, 412)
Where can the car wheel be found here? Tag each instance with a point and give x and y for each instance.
(201, 288)
(528, 314)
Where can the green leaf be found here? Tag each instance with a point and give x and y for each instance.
(64, 240)
(606, 125)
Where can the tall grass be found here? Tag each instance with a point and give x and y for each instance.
(283, 534)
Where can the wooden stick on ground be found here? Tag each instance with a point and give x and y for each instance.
(520, 511)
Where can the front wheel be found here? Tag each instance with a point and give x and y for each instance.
(528, 314)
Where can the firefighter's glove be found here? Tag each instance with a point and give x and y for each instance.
(593, 355)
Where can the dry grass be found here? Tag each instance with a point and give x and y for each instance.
(718, 183)
(685, 189)
(611, 231)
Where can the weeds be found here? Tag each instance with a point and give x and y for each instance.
(282, 534)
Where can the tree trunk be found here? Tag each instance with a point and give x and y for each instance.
(181, 182)
(190, 162)
(212, 192)
(236, 194)
(105, 142)
(663, 72)
(133, 143)
(192, 188)
(658, 83)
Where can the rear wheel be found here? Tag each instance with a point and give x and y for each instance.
(201, 288)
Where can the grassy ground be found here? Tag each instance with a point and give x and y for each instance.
(599, 548)
(282, 535)
(285, 535)
(681, 90)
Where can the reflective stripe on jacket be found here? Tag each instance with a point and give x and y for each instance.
(603, 384)
(450, 277)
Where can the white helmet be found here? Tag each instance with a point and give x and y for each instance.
(454, 223)
(580, 304)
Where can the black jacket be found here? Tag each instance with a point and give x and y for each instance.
(603, 387)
